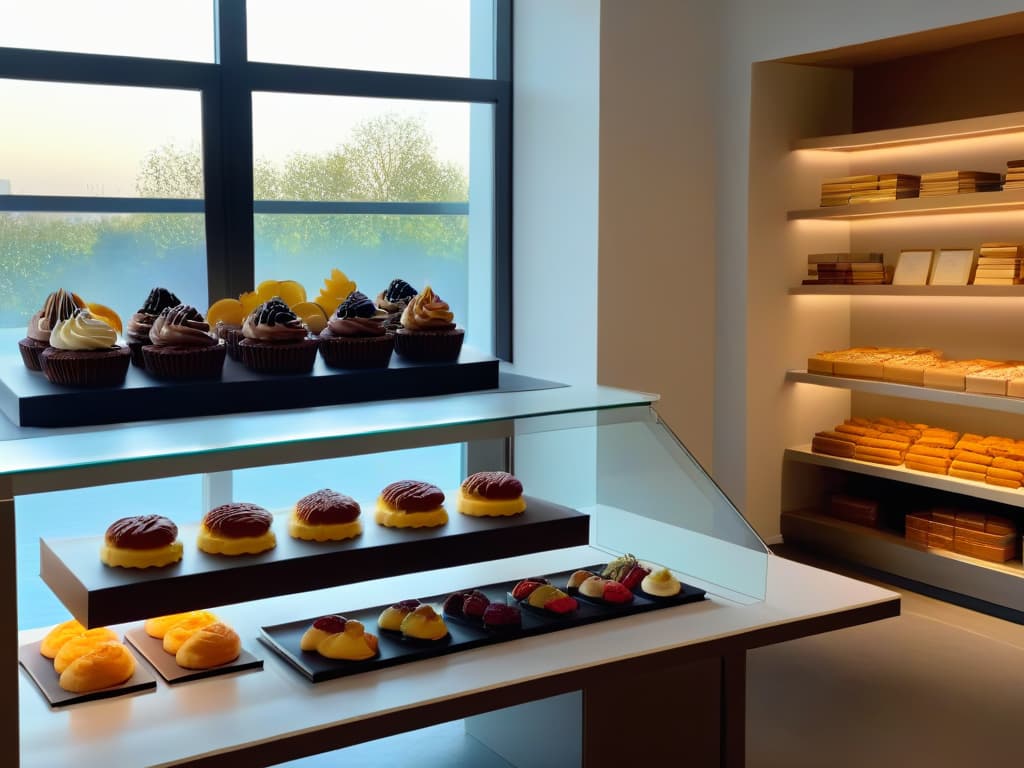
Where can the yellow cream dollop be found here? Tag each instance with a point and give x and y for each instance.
(82, 331)
(427, 311)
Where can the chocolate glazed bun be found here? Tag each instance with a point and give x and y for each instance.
(326, 507)
(238, 519)
(493, 485)
(142, 532)
(413, 496)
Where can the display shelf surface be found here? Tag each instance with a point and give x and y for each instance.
(30, 458)
(973, 202)
(973, 127)
(98, 595)
(911, 391)
(1015, 291)
(805, 455)
(277, 708)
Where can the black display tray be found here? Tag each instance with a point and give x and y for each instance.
(153, 651)
(97, 595)
(40, 669)
(29, 400)
(284, 638)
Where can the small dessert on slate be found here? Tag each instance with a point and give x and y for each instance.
(325, 515)
(81, 645)
(634, 576)
(661, 583)
(84, 352)
(428, 333)
(592, 587)
(608, 590)
(577, 578)
(59, 305)
(336, 637)
(141, 323)
(391, 618)
(238, 528)
(276, 341)
(142, 541)
(411, 504)
(158, 625)
(501, 616)
(321, 629)
(522, 590)
(356, 335)
(539, 594)
(208, 647)
(424, 623)
(109, 663)
(472, 604)
(63, 633)
(619, 567)
(393, 300)
(490, 494)
(176, 634)
(182, 347)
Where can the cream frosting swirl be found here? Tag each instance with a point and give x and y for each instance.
(81, 332)
(428, 311)
(59, 305)
(357, 316)
(141, 323)
(181, 326)
(273, 321)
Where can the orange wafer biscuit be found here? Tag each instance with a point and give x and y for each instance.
(832, 447)
(930, 460)
(1007, 463)
(974, 458)
(875, 442)
(924, 450)
(1014, 484)
(935, 470)
(967, 466)
(1005, 474)
(965, 475)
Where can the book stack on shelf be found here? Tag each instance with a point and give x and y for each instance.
(999, 264)
(1014, 174)
(868, 188)
(846, 269)
(940, 183)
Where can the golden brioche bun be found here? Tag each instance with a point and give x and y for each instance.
(81, 645)
(184, 629)
(59, 635)
(211, 646)
(109, 663)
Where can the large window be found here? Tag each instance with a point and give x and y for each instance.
(210, 145)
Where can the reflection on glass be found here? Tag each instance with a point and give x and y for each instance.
(110, 259)
(99, 140)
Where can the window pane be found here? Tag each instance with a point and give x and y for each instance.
(158, 29)
(99, 141)
(111, 260)
(435, 37)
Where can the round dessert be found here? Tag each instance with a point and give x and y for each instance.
(393, 300)
(142, 541)
(179, 632)
(63, 633)
(490, 494)
(276, 341)
(543, 596)
(424, 624)
(522, 590)
(411, 504)
(391, 618)
(141, 323)
(84, 352)
(182, 347)
(59, 305)
(351, 643)
(577, 578)
(238, 528)
(108, 664)
(320, 630)
(428, 333)
(325, 515)
(470, 605)
(211, 646)
(81, 645)
(356, 335)
(661, 583)
(501, 616)
(619, 567)
(592, 587)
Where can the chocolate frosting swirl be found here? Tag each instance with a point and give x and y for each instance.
(158, 300)
(399, 290)
(181, 325)
(493, 485)
(413, 496)
(274, 312)
(142, 532)
(238, 519)
(273, 321)
(356, 305)
(326, 507)
(59, 306)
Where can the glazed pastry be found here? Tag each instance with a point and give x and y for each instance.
(182, 347)
(393, 300)
(325, 515)
(141, 541)
(321, 629)
(490, 494)
(469, 604)
(82, 644)
(522, 590)
(635, 575)
(616, 592)
(411, 504)
(428, 332)
(276, 341)
(424, 624)
(157, 626)
(211, 646)
(84, 352)
(577, 578)
(238, 528)
(59, 305)
(391, 618)
(619, 567)
(107, 664)
(593, 587)
(179, 632)
(549, 598)
(63, 633)
(141, 323)
(351, 643)
(661, 583)
(501, 616)
(356, 336)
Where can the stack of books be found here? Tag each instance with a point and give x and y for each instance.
(959, 182)
(846, 269)
(868, 188)
(1014, 174)
(999, 264)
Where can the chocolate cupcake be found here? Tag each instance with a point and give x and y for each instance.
(59, 305)
(84, 353)
(393, 300)
(428, 333)
(276, 341)
(141, 323)
(356, 335)
(181, 346)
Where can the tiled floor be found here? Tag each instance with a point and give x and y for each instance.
(939, 686)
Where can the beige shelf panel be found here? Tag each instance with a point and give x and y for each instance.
(804, 455)
(988, 125)
(911, 392)
(987, 291)
(971, 202)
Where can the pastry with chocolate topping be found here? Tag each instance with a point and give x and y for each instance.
(394, 299)
(136, 333)
(238, 528)
(490, 494)
(276, 341)
(182, 347)
(84, 352)
(411, 504)
(356, 335)
(141, 541)
(59, 305)
(325, 515)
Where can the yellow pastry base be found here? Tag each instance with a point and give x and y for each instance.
(477, 506)
(141, 558)
(419, 628)
(216, 544)
(390, 517)
(334, 532)
(392, 618)
(344, 646)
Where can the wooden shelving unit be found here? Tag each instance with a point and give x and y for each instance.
(971, 202)
(979, 291)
